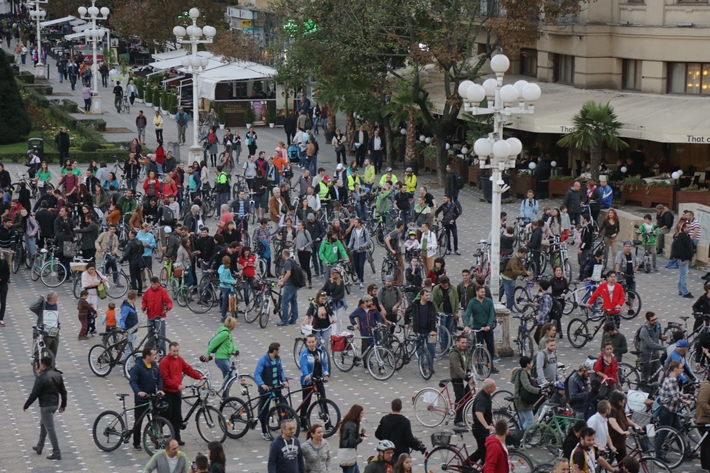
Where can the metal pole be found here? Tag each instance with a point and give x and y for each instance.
(195, 99)
(94, 69)
(39, 39)
(496, 175)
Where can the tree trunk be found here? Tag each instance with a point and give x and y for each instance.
(410, 147)
(442, 157)
(595, 161)
(389, 142)
(350, 129)
(330, 123)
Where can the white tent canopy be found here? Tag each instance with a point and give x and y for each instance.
(169, 54)
(176, 62)
(74, 36)
(241, 70)
(57, 21)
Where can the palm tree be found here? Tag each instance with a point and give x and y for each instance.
(403, 109)
(596, 126)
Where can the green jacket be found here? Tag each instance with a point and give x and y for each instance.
(330, 257)
(479, 314)
(459, 364)
(222, 345)
(648, 238)
(438, 296)
(383, 204)
(521, 380)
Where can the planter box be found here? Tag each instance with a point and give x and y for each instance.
(430, 164)
(648, 196)
(473, 175)
(558, 187)
(519, 186)
(692, 197)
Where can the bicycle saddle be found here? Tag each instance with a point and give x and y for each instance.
(444, 382)
(460, 430)
(509, 398)
(121, 396)
(637, 242)
(684, 318)
(634, 352)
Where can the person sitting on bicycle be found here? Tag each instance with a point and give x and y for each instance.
(314, 364)
(627, 264)
(612, 295)
(269, 373)
(422, 316)
(365, 319)
(335, 289)
(607, 366)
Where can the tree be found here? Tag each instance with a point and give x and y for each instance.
(595, 126)
(402, 109)
(235, 45)
(14, 120)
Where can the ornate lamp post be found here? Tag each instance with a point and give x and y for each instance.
(496, 153)
(39, 15)
(195, 65)
(95, 35)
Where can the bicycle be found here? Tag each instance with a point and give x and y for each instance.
(434, 406)
(578, 332)
(524, 295)
(103, 358)
(524, 340)
(211, 424)
(39, 349)
(300, 343)
(240, 414)
(390, 267)
(268, 293)
(152, 339)
(560, 257)
(482, 260)
(480, 357)
(519, 232)
(204, 296)
(442, 238)
(633, 300)
(545, 436)
(648, 463)
(115, 290)
(573, 300)
(445, 456)
(30, 184)
(323, 411)
(379, 361)
(110, 429)
(647, 260)
(632, 377)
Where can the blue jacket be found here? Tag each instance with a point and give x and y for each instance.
(686, 375)
(308, 361)
(146, 238)
(129, 316)
(226, 281)
(607, 195)
(528, 211)
(360, 317)
(578, 392)
(147, 380)
(269, 372)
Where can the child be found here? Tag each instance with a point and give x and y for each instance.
(649, 233)
(412, 245)
(557, 402)
(110, 317)
(565, 223)
(85, 310)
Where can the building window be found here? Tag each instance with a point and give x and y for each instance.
(528, 62)
(688, 78)
(564, 69)
(631, 76)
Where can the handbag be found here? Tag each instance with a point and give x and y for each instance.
(178, 272)
(340, 148)
(101, 289)
(347, 456)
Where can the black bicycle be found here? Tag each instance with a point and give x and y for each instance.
(211, 424)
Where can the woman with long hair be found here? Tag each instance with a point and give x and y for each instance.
(619, 423)
(184, 261)
(226, 283)
(350, 437)
(43, 177)
(222, 346)
(404, 464)
(559, 287)
(316, 450)
(555, 222)
(111, 181)
(100, 198)
(215, 453)
(610, 230)
(84, 196)
(136, 219)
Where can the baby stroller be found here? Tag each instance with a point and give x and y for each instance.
(293, 153)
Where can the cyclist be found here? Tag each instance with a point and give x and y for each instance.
(269, 373)
(145, 379)
(460, 373)
(481, 315)
(627, 264)
(421, 315)
(364, 319)
(222, 346)
(393, 241)
(612, 295)
(382, 463)
(314, 364)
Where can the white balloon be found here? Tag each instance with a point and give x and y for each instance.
(427, 141)
(675, 175)
(553, 164)
(448, 146)
(532, 165)
(422, 138)
(680, 172)
(623, 169)
(464, 150)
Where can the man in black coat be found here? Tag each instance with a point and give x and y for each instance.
(62, 140)
(134, 254)
(290, 127)
(48, 388)
(45, 219)
(360, 144)
(397, 428)
(683, 250)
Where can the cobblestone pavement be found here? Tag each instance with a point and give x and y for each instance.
(89, 395)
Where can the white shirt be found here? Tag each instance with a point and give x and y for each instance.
(172, 462)
(376, 141)
(601, 428)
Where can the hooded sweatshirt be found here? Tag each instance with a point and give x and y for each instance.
(397, 429)
(496, 456)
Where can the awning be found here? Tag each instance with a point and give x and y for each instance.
(74, 36)
(240, 70)
(79, 28)
(653, 117)
(169, 54)
(176, 61)
(57, 21)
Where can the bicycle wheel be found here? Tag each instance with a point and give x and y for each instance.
(380, 363)
(521, 462)
(386, 270)
(108, 431)
(281, 412)
(164, 277)
(567, 270)
(520, 298)
(672, 450)
(253, 314)
(399, 355)
(17, 259)
(444, 459)
(542, 263)
(114, 290)
(211, 425)
(298, 347)
(200, 299)
(570, 303)
(647, 266)
(633, 305)
(426, 364)
(181, 296)
(540, 440)
(481, 362)
(430, 407)
(53, 273)
(444, 244)
(653, 465)
(499, 401)
(156, 434)
(345, 360)
(628, 377)
(36, 269)
(130, 362)
(100, 360)
(237, 415)
(443, 341)
(264, 312)
(578, 333)
(326, 413)
(76, 286)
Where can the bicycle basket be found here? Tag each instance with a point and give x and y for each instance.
(440, 439)
(337, 343)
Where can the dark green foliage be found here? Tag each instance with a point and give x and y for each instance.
(14, 120)
(89, 146)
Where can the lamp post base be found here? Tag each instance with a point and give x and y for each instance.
(195, 153)
(40, 71)
(96, 105)
(503, 340)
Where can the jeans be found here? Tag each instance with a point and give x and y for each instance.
(509, 290)
(3, 300)
(46, 427)
(661, 239)
(351, 469)
(72, 81)
(31, 243)
(451, 229)
(289, 298)
(181, 133)
(263, 412)
(317, 265)
(87, 105)
(161, 332)
(487, 338)
(24, 58)
(138, 422)
(683, 277)
(359, 258)
(430, 346)
(132, 339)
(136, 280)
(454, 193)
(224, 365)
(131, 183)
(111, 268)
(313, 164)
(665, 417)
(225, 302)
(61, 76)
(448, 322)
(526, 419)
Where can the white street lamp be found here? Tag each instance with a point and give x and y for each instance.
(195, 65)
(38, 15)
(95, 35)
(496, 153)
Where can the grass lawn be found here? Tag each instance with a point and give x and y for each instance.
(21, 147)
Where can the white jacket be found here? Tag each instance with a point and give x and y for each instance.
(431, 246)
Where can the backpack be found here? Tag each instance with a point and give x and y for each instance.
(526, 396)
(459, 181)
(168, 215)
(534, 365)
(567, 396)
(309, 123)
(298, 276)
(504, 261)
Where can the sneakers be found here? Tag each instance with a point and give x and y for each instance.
(496, 358)
(2, 323)
(707, 276)
(267, 436)
(448, 252)
(494, 370)
(180, 442)
(292, 322)
(137, 447)
(281, 323)
(457, 252)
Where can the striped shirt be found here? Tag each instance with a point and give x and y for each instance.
(695, 225)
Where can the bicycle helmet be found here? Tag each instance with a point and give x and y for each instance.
(385, 445)
(559, 385)
(412, 232)
(337, 269)
(167, 230)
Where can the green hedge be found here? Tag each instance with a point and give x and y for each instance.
(42, 89)
(25, 77)
(82, 157)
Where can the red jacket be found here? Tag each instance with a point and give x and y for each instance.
(156, 185)
(172, 369)
(617, 299)
(496, 456)
(156, 302)
(169, 188)
(611, 370)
